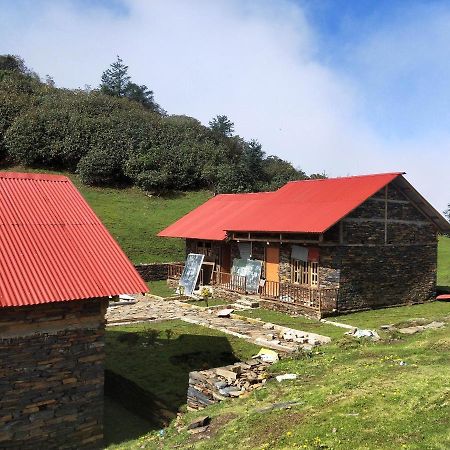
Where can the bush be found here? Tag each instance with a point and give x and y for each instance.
(101, 167)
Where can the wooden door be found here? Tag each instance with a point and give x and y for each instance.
(272, 268)
(225, 258)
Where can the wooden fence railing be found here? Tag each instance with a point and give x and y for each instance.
(174, 271)
(323, 299)
(230, 282)
(320, 299)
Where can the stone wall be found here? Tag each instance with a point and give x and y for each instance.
(378, 276)
(154, 271)
(289, 308)
(51, 375)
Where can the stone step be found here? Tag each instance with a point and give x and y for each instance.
(249, 302)
(240, 306)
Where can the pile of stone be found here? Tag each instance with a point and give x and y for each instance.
(306, 340)
(214, 385)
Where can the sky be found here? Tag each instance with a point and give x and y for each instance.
(343, 86)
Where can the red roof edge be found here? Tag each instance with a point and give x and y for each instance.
(33, 176)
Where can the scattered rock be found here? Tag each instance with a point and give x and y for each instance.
(360, 333)
(199, 422)
(225, 312)
(275, 406)
(410, 330)
(268, 326)
(435, 324)
(198, 430)
(286, 376)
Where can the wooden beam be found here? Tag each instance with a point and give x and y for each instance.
(405, 222)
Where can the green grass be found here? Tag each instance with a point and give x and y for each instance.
(299, 323)
(160, 288)
(134, 218)
(121, 424)
(443, 278)
(163, 368)
(395, 315)
(352, 394)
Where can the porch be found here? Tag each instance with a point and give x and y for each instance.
(317, 301)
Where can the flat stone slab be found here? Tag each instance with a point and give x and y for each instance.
(410, 330)
(154, 309)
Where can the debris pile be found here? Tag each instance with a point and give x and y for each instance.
(211, 386)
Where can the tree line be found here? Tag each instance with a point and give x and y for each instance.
(117, 134)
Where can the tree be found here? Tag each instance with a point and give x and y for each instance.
(13, 63)
(222, 125)
(447, 212)
(115, 80)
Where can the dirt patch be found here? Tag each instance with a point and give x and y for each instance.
(285, 420)
(217, 423)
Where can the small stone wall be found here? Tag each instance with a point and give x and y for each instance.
(289, 308)
(211, 386)
(154, 271)
(51, 375)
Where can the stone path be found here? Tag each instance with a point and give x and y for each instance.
(152, 309)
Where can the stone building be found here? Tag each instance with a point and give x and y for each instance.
(328, 246)
(58, 266)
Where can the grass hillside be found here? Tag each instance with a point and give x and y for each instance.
(350, 394)
(444, 262)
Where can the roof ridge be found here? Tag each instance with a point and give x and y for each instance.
(34, 176)
(347, 177)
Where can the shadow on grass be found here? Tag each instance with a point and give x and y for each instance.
(160, 369)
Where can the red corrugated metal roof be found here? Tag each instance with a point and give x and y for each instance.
(210, 220)
(53, 247)
(309, 206)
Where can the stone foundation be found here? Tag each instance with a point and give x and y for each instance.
(51, 375)
(153, 272)
(289, 308)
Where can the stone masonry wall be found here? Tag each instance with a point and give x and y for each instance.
(51, 375)
(372, 277)
(154, 271)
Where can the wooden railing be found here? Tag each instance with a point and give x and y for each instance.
(230, 282)
(320, 299)
(174, 271)
(323, 299)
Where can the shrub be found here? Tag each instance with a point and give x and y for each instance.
(101, 167)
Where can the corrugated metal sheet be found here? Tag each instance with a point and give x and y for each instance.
(210, 220)
(310, 206)
(53, 247)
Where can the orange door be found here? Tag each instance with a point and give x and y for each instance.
(272, 263)
(272, 271)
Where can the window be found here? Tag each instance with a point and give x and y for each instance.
(204, 248)
(305, 273)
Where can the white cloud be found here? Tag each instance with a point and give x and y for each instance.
(254, 61)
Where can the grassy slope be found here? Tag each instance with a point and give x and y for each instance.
(351, 394)
(444, 262)
(163, 369)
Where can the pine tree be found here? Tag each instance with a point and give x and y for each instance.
(115, 80)
(222, 125)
